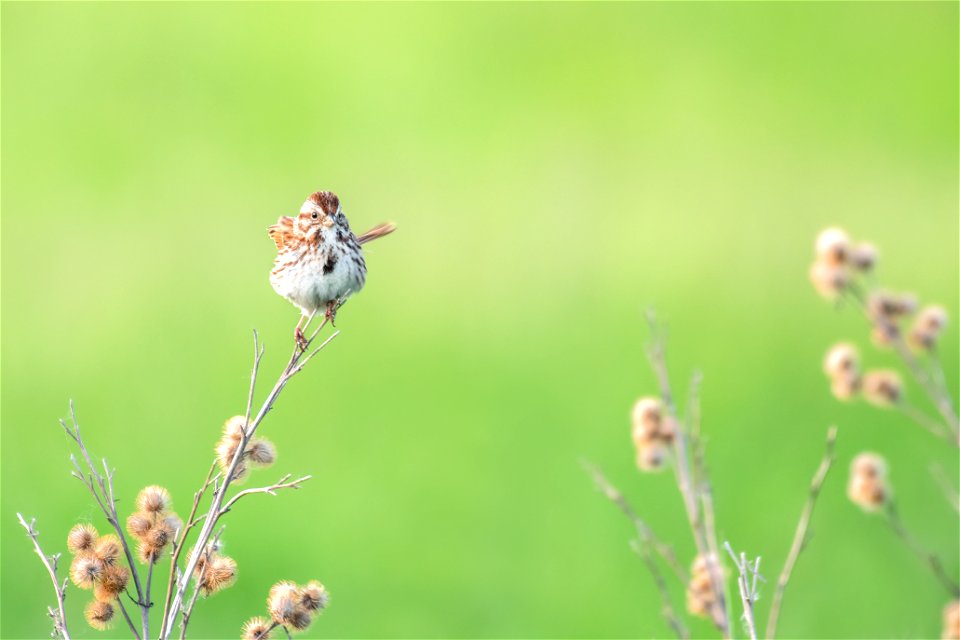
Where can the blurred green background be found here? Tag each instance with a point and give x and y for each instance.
(554, 170)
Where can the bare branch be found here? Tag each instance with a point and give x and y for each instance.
(800, 535)
(931, 559)
(645, 541)
(747, 579)
(282, 483)
(50, 562)
(949, 492)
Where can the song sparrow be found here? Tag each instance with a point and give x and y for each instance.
(319, 261)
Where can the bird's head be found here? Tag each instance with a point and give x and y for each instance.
(320, 210)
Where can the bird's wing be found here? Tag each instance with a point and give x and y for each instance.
(377, 232)
(282, 232)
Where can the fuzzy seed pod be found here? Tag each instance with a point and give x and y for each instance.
(314, 597)
(283, 601)
(256, 629)
(86, 569)
(647, 412)
(261, 452)
(219, 573)
(829, 280)
(845, 387)
(867, 487)
(82, 537)
(951, 621)
(841, 359)
(233, 428)
(154, 500)
(701, 597)
(890, 306)
(299, 620)
(833, 246)
(882, 388)
(882, 336)
(108, 549)
(651, 456)
(99, 615)
(112, 582)
(160, 535)
(926, 328)
(139, 524)
(863, 257)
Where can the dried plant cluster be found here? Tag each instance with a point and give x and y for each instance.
(663, 438)
(107, 564)
(841, 273)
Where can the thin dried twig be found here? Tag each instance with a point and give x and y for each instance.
(931, 559)
(949, 492)
(282, 483)
(645, 541)
(695, 495)
(298, 359)
(800, 536)
(50, 562)
(188, 610)
(101, 487)
(747, 579)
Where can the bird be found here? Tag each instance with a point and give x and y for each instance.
(319, 261)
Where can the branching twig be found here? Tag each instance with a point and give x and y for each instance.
(748, 575)
(930, 558)
(800, 535)
(50, 562)
(282, 483)
(298, 360)
(645, 541)
(696, 496)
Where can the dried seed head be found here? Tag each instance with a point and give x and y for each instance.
(951, 621)
(256, 629)
(139, 524)
(160, 535)
(829, 279)
(261, 452)
(81, 538)
(99, 615)
(651, 456)
(314, 597)
(283, 601)
(112, 582)
(668, 430)
(85, 570)
(932, 318)
(884, 335)
(154, 499)
(108, 549)
(647, 411)
(833, 246)
(891, 306)
(147, 553)
(841, 359)
(220, 572)
(299, 620)
(233, 428)
(882, 387)
(701, 597)
(927, 327)
(869, 465)
(867, 487)
(863, 257)
(174, 524)
(845, 387)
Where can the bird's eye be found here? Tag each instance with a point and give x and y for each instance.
(314, 215)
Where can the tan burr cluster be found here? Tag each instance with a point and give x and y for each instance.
(868, 487)
(214, 571)
(96, 565)
(154, 525)
(653, 433)
(838, 261)
(701, 596)
(259, 452)
(951, 621)
(291, 606)
(879, 387)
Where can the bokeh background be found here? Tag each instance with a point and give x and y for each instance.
(554, 170)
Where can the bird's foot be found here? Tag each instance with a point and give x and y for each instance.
(331, 313)
(300, 339)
